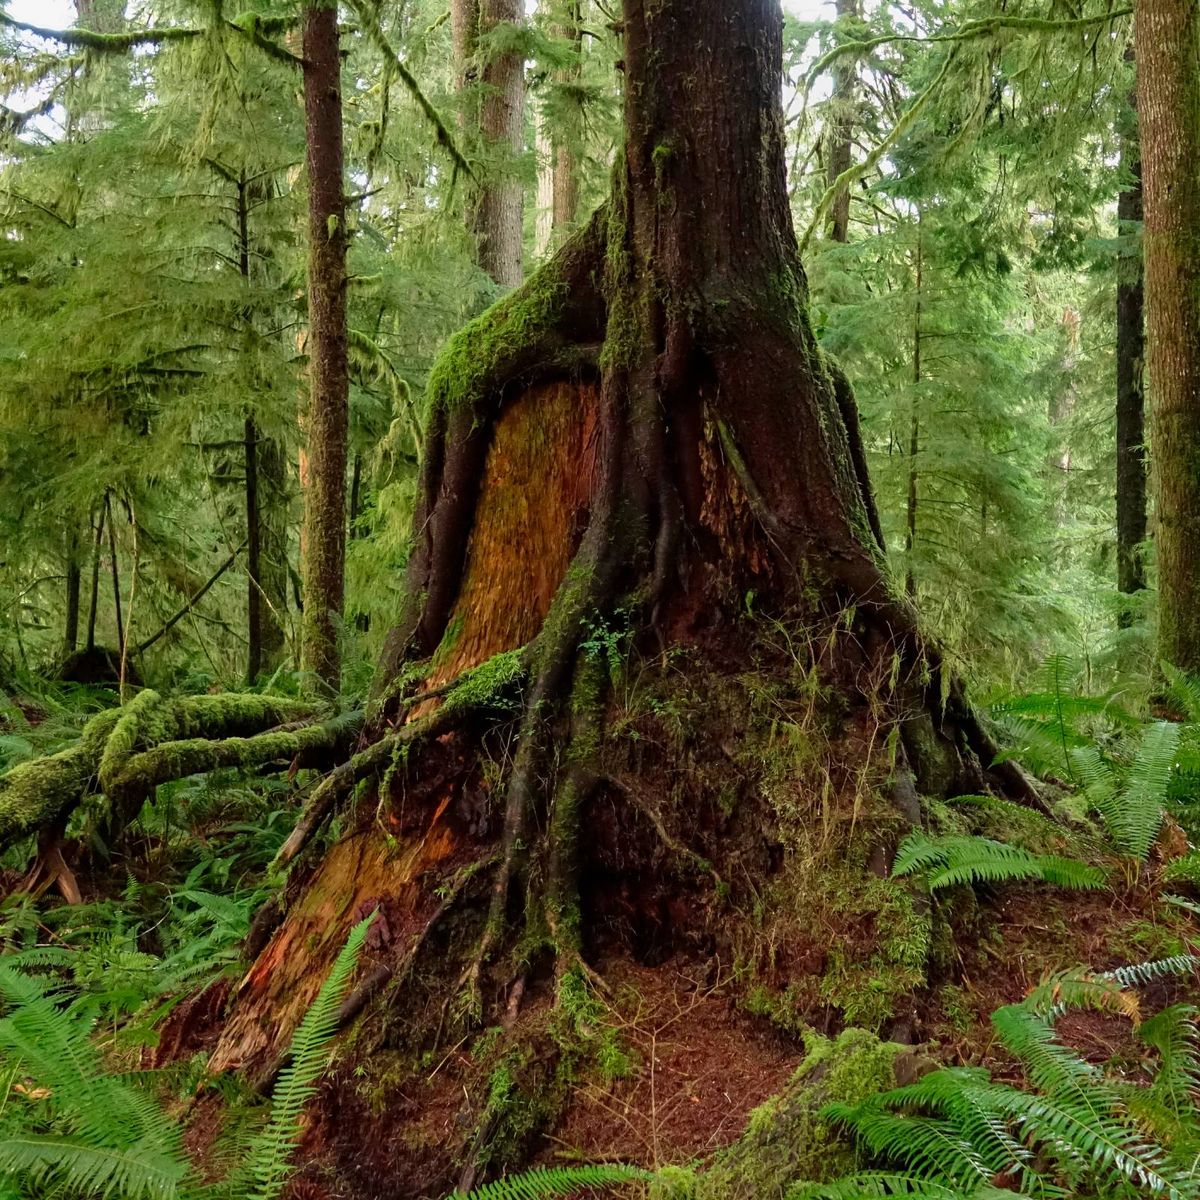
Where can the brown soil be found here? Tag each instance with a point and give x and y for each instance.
(702, 1065)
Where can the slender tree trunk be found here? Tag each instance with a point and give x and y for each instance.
(74, 582)
(1131, 353)
(1168, 106)
(841, 128)
(492, 85)
(254, 659)
(94, 602)
(914, 433)
(116, 578)
(326, 423)
(558, 175)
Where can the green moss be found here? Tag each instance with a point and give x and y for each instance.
(475, 359)
(488, 683)
(786, 1140)
(867, 989)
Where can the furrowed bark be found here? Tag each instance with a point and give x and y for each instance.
(492, 86)
(327, 419)
(1168, 106)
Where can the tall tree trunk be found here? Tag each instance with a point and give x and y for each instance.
(94, 601)
(559, 146)
(1168, 106)
(74, 572)
(115, 570)
(326, 422)
(841, 128)
(1131, 352)
(492, 84)
(912, 498)
(640, 447)
(266, 574)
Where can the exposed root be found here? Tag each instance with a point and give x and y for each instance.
(634, 794)
(50, 869)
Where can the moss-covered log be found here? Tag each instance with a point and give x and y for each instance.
(125, 753)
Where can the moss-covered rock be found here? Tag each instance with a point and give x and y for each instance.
(786, 1140)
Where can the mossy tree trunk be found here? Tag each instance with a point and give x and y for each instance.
(840, 139)
(327, 419)
(1168, 103)
(645, 432)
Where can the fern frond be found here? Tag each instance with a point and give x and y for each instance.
(555, 1181)
(1096, 1143)
(1135, 821)
(865, 1185)
(271, 1152)
(128, 1173)
(1080, 988)
(959, 859)
(1173, 1033)
(927, 1146)
(1050, 1066)
(1140, 974)
(1184, 690)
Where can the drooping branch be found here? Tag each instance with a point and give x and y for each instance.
(982, 27)
(193, 600)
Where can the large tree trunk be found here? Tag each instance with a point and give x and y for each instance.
(641, 452)
(1169, 132)
(1131, 353)
(327, 419)
(493, 83)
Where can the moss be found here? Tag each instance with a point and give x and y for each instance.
(488, 683)
(472, 364)
(126, 735)
(786, 1140)
(867, 990)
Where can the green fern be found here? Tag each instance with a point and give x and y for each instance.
(82, 1131)
(555, 1181)
(271, 1152)
(958, 859)
(1184, 690)
(1072, 1129)
(865, 1185)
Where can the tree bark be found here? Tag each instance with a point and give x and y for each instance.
(492, 89)
(327, 418)
(558, 174)
(645, 436)
(1131, 353)
(1169, 134)
(74, 583)
(841, 128)
(94, 601)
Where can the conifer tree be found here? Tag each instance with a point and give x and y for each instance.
(1168, 106)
